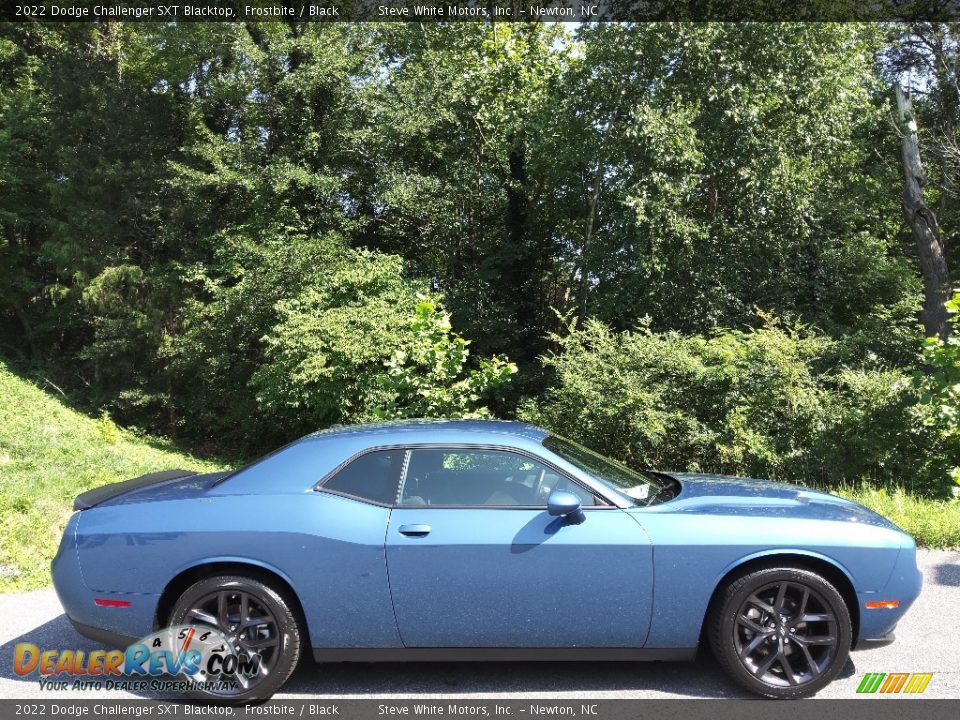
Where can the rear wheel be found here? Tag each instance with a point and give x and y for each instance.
(259, 627)
(781, 632)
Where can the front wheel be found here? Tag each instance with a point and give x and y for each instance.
(781, 632)
(258, 626)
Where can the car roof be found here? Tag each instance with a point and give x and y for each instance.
(298, 467)
(437, 431)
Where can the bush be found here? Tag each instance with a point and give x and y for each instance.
(331, 340)
(428, 376)
(272, 346)
(305, 332)
(370, 359)
(940, 387)
(770, 402)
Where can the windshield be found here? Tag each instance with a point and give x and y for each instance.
(641, 487)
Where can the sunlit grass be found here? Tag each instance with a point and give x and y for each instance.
(933, 523)
(49, 453)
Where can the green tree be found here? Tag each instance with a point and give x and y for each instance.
(940, 385)
(219, 230)
(737, 165)
(329, 343)
(429, 377)
(457, 176)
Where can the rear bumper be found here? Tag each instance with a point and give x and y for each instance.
(105, 637)
(110, 625)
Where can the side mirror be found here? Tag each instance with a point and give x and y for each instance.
(562, 503)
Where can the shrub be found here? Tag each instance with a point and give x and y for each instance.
(428, 376)
(370, 359)
(940, 387)
(331, 340)
(771, 402)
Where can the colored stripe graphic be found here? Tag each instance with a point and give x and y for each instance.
(870, 682)
(913, 683)
(919, 682)
(186, 642)
(894, 682)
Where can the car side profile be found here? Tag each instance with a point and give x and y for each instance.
(485, 540)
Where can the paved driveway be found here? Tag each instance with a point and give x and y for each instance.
(928, 641)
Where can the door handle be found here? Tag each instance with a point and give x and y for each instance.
(415, 530)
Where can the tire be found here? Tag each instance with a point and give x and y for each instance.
(781, 632)
(277, 644)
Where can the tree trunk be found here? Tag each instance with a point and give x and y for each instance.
(923, 225)
(584, 291)
(27, 328)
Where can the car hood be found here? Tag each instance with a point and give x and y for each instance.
(724, 495)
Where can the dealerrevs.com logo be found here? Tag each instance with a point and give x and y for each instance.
(201, 656)
(893, 683)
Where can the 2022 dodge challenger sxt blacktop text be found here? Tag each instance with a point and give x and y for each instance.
(484, 540)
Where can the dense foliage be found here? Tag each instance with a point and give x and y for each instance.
(940, 385)
(681, 243)
(772, 401)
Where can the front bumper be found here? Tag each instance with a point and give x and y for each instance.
(904, 585)
(873, 643)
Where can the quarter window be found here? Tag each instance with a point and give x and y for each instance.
(372, 476)
(466, 477)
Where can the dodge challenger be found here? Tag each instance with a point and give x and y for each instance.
(483, 540)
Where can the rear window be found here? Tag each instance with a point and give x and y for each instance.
(372, 476)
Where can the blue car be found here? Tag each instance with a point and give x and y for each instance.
(483, 540)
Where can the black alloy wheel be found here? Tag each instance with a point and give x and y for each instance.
(781, 632)
(259, 627)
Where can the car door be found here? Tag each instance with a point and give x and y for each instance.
(475, 560)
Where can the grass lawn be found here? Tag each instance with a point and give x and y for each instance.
(50, 453)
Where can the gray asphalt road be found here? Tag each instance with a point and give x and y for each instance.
(928, 641)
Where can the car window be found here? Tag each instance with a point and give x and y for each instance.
(645, 488)
(466, 477)
(372, 476)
